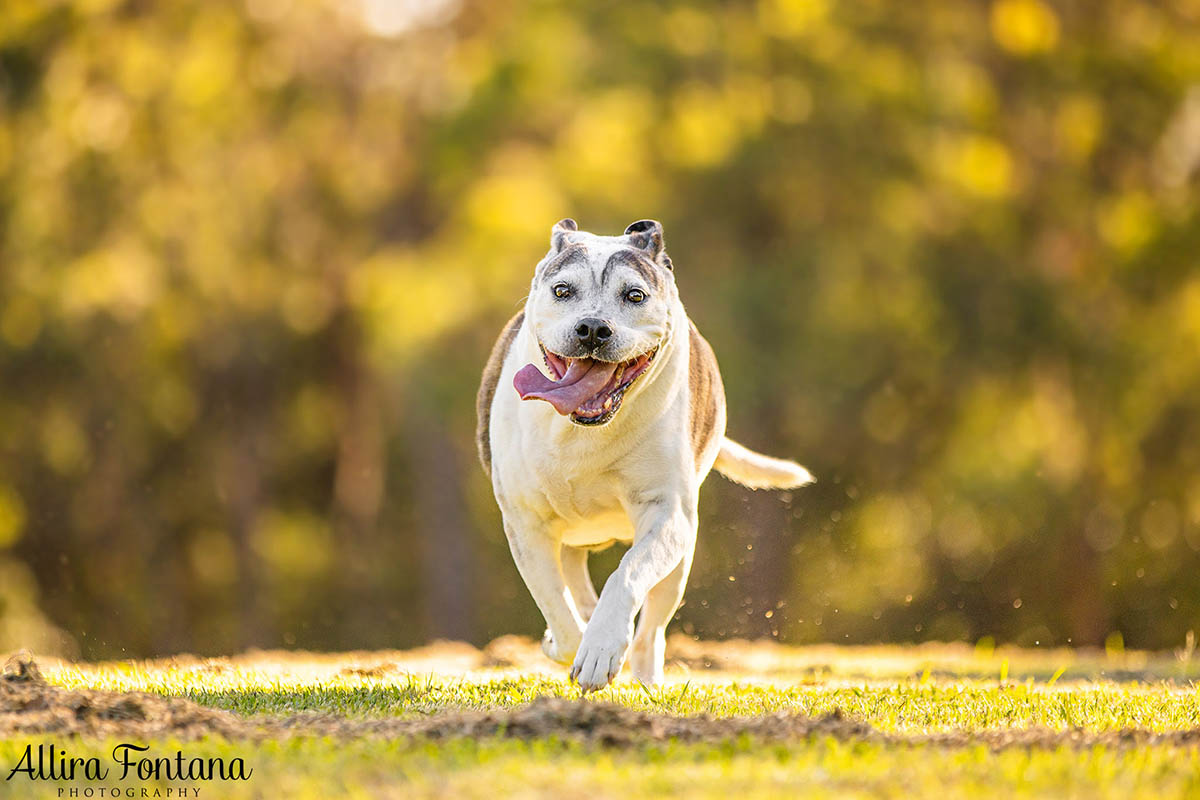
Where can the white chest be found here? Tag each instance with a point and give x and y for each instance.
(579, 482)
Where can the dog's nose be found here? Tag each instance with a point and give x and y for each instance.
(593, 332)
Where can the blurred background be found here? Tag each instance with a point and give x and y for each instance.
(253, 255)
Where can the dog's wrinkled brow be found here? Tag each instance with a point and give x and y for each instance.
(571, 255)
(638, 262)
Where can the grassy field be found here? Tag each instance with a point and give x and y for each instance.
(754, 720)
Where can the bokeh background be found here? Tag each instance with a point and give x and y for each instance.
(253, 256)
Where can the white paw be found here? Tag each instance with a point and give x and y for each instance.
(554, 651)
(598, 661)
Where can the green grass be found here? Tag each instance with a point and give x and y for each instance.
(905, 707)
(823, 767)
(906, 692)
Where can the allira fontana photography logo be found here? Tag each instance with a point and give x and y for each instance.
(128, 762)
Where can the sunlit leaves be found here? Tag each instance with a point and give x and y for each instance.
(20, 321)
(980, 165)
(296, 544)
(1079, 123)
(12, 516)
(515, 198)
(701, 130)
(792, 18)
(605, 149)
(1024, 27)
(1127, 222)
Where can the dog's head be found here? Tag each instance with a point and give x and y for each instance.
(600, 307)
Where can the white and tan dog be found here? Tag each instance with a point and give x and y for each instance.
(633, 420)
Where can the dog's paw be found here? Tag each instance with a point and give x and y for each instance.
(598, 661)
(554, 651)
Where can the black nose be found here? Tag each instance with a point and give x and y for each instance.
(593, 332)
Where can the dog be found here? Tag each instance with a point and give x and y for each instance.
(600, 412)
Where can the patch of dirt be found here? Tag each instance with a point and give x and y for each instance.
(611, 725)
(507, 652)
(1042, 738)
(29, 705)
(604, 724)
(377, 671)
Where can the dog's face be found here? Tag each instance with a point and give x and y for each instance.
(600, 307)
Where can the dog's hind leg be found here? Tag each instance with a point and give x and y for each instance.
(539, 560)
(648, 651)
(575, 570)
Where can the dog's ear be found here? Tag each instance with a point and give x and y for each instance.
(647, 235)
(558, 234)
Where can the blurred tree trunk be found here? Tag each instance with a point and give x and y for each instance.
(358, 481)
(241, 485)
(443, 533)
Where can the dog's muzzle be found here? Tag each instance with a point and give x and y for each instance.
(587, 390)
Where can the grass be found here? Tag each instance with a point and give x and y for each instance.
(826, 767)
(911, 696)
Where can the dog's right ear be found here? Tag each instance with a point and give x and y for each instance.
(558, 234)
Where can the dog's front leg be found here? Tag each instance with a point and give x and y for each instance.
(538, 559)
(664, 533)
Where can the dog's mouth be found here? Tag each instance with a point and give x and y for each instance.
(587, 390)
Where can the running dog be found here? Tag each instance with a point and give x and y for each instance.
(631, 419)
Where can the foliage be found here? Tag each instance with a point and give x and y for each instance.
(253, 256)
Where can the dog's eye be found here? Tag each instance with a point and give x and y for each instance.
(635, 296)
(562, 291)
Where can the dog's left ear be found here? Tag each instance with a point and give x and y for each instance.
(647, 235)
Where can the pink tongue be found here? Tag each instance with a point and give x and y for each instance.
(585, 377)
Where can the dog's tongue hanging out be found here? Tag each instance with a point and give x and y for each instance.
(584, 379)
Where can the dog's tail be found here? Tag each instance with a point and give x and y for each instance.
(756, 471)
